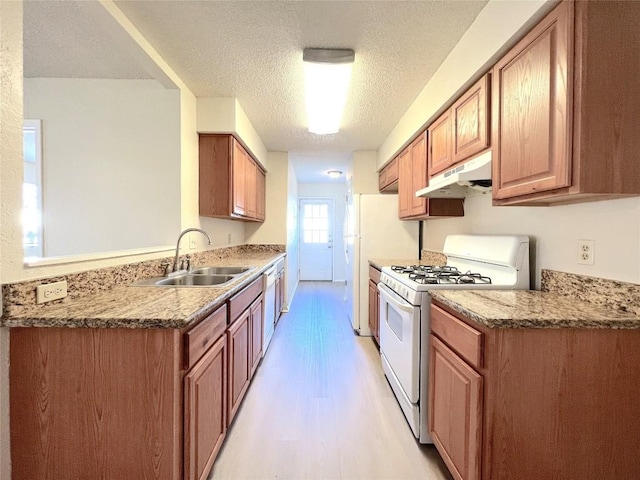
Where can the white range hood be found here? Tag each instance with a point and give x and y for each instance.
(475, 173)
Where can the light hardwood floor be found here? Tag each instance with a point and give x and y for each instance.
(320, 406)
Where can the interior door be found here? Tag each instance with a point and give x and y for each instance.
(316, 238)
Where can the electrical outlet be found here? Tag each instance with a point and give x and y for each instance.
(51, 291)
(586, 252)
(192, 242)
(229, 239)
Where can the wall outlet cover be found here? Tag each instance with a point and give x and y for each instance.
(192, 242)
(586, 252)
(51, 291)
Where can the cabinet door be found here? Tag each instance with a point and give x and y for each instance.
(471, 121)
(404, 184)
(250, 190)
(257, 327)
(374, 310)
(205, 402)
(260, 195)
(532, 110)
(455, 411)
(440, 144)
(239, 170)
(419, 180)
(238, 338)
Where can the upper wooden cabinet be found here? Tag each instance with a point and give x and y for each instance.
(440, 156)
(388, 177)
(413, 177)
(564, 109)
(470, 115)
(462, 131)
(232, 183)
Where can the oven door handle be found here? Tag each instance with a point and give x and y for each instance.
(389, 296)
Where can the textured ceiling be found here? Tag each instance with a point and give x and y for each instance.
(62, 40)
(252, 50)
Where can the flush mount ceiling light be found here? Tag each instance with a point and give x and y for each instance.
(334, 173)
(327, 72)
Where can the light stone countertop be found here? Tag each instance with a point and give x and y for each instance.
(126, 306)
(533, 309)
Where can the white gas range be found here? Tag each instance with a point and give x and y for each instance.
(473, 262)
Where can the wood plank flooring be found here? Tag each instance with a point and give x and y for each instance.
(320, 407)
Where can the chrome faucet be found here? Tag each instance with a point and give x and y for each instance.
(176, 262)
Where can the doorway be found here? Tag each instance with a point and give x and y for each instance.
(316, 238)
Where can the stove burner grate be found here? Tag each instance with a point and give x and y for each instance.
(445, 274)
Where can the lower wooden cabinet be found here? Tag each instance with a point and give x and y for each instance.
(455, 410)
(257, 327)
(205, 415)
(125, 403)
(533, 403)
(374, 310)
(238, 341)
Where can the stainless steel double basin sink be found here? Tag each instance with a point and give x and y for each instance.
(197, 277)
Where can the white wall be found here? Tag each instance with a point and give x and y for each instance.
(111, 179)
(10, 165)
(555, 231)
(274, 228)
(225, 115)
(11, 261)
(336, 191)
(292, 234)
(364, 171)
(486, 39)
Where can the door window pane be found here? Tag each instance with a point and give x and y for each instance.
(315, 223)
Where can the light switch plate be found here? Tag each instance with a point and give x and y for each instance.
(51, 291)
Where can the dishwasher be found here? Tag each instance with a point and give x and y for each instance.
(269, 306)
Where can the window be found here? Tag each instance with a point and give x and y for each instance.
(32, 189)
(315, 223)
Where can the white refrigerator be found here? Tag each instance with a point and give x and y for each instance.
(372, 231)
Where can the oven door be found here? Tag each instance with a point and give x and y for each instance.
(400, 339)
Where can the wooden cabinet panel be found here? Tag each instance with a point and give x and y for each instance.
(466, 341)
(455, 411)
(260, 195)
(257, 327)
(239, 172)
(201, 337)
(205, 402)
(440, 156)
(404, 184)
(241, 300)
(470, 118)
(388, 177)
(419, 179)
(250, 190)
(95, 403)
(412, 164)
(374, 311)
(231, 183)
(238, 343)
(532, 119)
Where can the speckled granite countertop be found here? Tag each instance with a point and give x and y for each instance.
(533, 309)
(428, 258)
(128, 306)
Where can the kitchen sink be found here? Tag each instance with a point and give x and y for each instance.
(219, 270)
(186, 280)
(189, 280)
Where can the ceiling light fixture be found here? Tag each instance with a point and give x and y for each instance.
(334, 173)
(327, 72)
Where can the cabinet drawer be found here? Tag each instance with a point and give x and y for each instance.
(374, 274)
(241, 301)
(466, 341)
(204, 335)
